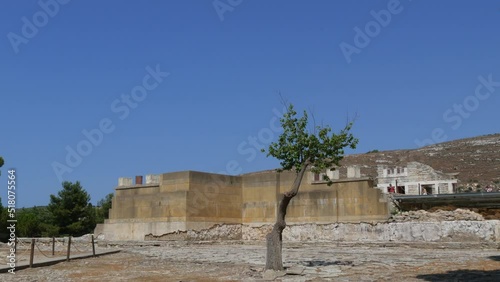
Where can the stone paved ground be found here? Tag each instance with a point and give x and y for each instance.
(183, 261)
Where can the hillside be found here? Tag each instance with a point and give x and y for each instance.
(476, 160)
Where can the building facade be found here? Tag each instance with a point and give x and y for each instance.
(190, 200)
(415, 179)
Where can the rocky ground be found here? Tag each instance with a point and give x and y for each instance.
(237, 261)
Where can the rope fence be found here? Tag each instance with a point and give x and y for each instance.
(52, 247)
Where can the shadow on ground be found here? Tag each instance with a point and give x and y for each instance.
(497, 258)
(463, 275)
(313, 263)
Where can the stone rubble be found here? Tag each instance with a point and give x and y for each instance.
(217, 232)
(439, 215)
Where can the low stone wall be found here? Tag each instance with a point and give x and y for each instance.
(135, 230)
(485, 231)
(216, 232)
(445, 231)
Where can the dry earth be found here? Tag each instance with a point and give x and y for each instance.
(237, 261)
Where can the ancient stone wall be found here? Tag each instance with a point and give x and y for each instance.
(213, 199)
(462, 231)
(445, 231)
(259, 197)
(346, 200)
(189, 200)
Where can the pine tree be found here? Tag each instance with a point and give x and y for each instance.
(72, 211)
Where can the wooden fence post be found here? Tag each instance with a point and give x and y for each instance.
(53, 245)
(69, 248)
(32, 251)
(93, 246)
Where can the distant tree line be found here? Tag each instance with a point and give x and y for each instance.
(69, 213)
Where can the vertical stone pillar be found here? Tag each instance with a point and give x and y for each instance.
(353, 172)
(152, 179)
(333, 175)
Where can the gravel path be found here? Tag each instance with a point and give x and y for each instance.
(181, 261)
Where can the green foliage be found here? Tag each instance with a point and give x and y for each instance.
(321, 149)
(31, 222)
(103, 206)
(35, 222)
(47, 227)
(49, 230)
(72, 211)
(1, 164)
(28, 223)
(372, 151)
(4, 232)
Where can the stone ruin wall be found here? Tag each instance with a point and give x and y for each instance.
(469, 232)
(191, 200)
(189, 206)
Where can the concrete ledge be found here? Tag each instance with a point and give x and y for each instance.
(138, 186)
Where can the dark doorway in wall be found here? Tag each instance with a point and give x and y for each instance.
(401, 190)
(427, 189)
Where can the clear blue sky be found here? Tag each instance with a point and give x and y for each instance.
(65, 68)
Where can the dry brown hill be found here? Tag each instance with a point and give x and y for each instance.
(476, 160)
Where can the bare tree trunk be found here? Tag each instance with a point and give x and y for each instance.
(274, 239)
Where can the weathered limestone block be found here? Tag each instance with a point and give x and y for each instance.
(353, 172)
(124, 181)
(487, 231)
(217, 232)
(152, 179)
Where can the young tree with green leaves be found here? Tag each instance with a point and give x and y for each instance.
(300, 150)
(72, 211)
